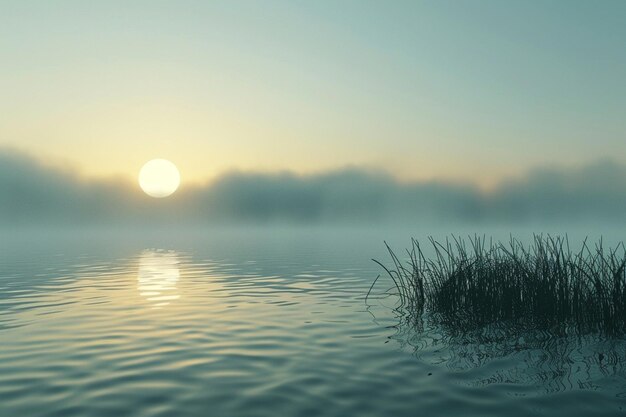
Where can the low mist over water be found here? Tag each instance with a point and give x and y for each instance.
(41, 195)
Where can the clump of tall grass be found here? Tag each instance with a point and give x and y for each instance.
(545, 285)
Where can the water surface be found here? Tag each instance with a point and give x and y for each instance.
(259, 323)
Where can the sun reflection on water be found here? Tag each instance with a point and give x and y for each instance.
(157, 276)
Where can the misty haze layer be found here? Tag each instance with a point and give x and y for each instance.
(34, 195)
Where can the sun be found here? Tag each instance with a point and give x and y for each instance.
(159, 178)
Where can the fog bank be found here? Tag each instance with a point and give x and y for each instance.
(33, 195)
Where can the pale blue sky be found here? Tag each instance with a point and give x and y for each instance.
(463, 90)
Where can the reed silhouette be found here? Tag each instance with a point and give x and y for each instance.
(477, 283)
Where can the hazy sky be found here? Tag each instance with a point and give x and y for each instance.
(470, 90)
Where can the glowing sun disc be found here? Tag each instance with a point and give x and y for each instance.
(159, 178)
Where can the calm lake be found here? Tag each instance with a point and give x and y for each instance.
(263, 322)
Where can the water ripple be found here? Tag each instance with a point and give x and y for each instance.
(161, 332)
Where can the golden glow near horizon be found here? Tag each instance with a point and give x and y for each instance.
(471, 93)
(159, 178)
